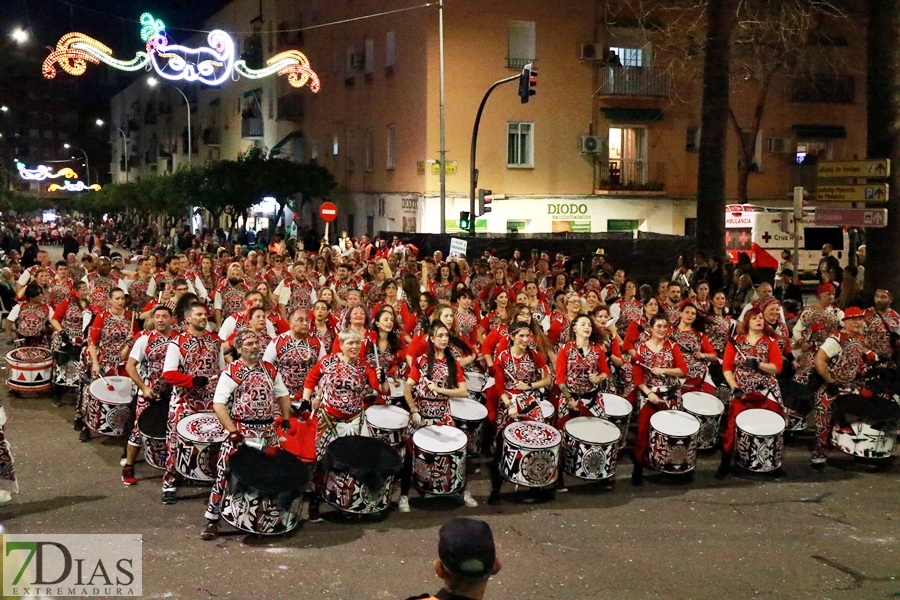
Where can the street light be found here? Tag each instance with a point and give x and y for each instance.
(4, 108)
(153, 82)
(19, 36)
(101, 123)
(87, 164)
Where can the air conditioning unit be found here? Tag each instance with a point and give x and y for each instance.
(591, 144)
(357, 60)
(777, 145)
(591, 51)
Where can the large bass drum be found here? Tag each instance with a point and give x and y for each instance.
(358, 474)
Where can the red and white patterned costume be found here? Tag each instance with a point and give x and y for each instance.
(293, 359)
(230, 298)
(100, 286)
(847, 358)
(433, 408)
(760, 389)
(528, 368)
(30, 322)
(149, 352)
(691, 341)
(879, 327)
(669, 356)
(814, 326)
(574, 368)
(188, 356)
(251, 394)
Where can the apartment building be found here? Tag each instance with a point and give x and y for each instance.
(609, 143)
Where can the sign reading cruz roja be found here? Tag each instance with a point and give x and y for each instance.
(875, 192)
(855, 168)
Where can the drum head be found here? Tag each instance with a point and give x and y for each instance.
(387, 417)
(466, 409)
(201, 427)
(475, 381)
(760, 422)
(396, 388)
(120, 394)
(440, 439)
(152, 421)
(547, 409)
(29, 354)
(675, 422)
(533, 435)
(370, 460)
(701, 403)
(616, 406)
(276, 473)
(593, 430)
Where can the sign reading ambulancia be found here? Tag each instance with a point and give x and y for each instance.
(72, 565)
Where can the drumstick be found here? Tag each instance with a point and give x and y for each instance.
(109, 386)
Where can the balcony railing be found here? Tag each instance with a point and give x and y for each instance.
(634, 81)
(631, 174)
(828, 89)
(518, 63)
(252, 128)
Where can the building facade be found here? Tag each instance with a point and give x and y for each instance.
(609, 143)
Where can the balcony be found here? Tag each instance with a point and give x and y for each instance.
(290, 107)
(823, 89)
(634, 82)
(633, 177)
(252, 128)
(519, 63)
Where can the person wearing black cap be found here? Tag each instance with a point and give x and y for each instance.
(466, 560)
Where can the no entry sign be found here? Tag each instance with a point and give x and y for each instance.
(328, 212)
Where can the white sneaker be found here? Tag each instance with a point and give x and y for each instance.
(468, 500)
(403, 504)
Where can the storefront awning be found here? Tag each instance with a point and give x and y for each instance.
(819, 131)
(632, 114)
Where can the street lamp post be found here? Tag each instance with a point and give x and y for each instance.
(100, 123)
(152, 82)
(87, 164)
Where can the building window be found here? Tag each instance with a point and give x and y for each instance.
(391, 132)
(390, 50)
(335, 145)
(520, 145)
(692, 139)
(351, 149)
(628, 57)
(370, 149)
(370, 56)
(520, 44)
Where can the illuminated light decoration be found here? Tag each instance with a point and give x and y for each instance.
(43, 172)
(211, 65)
(73, 186)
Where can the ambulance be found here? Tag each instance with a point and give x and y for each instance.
(758, 231)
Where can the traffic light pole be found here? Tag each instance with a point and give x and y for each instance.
(473, 172)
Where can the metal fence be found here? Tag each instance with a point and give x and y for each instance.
(634, 81)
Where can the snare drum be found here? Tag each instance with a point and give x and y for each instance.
(618, 412)
(591, 448)
(30, 369)
(359, 473)
(759, 440)
(152, 425)
(262, 493)
(388, 423)
(475, 382)
(547, 409)
(197, 446)
(396, 389)
(107, 411)
(530, 453)
(469, 415)
(864, 439)
(439, 460)
(709, 410)
(673, 441)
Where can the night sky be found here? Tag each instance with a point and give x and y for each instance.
(113, 22)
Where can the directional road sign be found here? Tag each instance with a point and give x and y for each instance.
(855, 168)
(852, 217)
(876, 192)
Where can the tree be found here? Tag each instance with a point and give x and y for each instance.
(883, 129)
(721, 21)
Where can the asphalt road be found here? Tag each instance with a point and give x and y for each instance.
(832, 535)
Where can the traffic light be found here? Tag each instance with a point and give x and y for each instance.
(464, 221)
(484, 201)
(527, 83)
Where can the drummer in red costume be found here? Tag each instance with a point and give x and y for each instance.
(751, 364)
(344, 379)
(840, 360)
(581, 367)
(696, 348)
(294, 353)
(248, 396)
(657, 364)
(519, 372)
(149, 352)
(109, 341)
(882, 326)
(434, 378)
(31, 318)
(192, 365)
